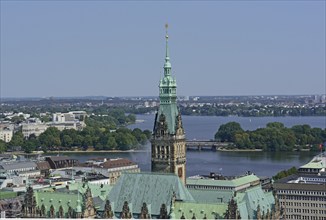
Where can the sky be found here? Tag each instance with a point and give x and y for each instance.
(117, 48)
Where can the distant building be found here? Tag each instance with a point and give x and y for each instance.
(36, 129)
(111, 168)
(20, 168)
(44, 167)
(62, 117)
(59, 162)
(10, 116)
(68, 120)
(80, 115)
(6, 134)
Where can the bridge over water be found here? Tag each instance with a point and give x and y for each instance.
(205, 144)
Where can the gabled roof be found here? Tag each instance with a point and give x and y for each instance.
(96, 189)
(249, 200)
(153, 189)
(43, 165)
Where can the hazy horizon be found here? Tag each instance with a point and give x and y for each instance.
(116, 49)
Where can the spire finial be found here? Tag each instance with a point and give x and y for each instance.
(166, 37)
(167, 64)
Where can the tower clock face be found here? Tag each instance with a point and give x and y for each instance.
(180, 172)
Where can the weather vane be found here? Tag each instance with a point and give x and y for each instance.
(166, 27)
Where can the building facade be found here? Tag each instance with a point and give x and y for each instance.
(168, 141)
(303, 195)
(36, 128)
(6, 134)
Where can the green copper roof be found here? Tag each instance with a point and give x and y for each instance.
(7, 195)
(188, 209)
(211, 196)
(97, 190)
(223, 183)
(170, 112)
(249, 200)
(317, 164)
(56, 199)
(152, 188)
(68, 197)
(245, 179)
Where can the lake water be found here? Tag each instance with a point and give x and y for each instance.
(227, 163)
(205, 127)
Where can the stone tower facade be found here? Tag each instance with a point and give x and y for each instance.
(168, 141)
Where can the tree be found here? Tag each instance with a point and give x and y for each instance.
(17, 139)
(88, 141)
(277, 125)
(50, 138)
(3, 146)
(227, 132)
(285, 173)
(242, 140)
(111, 143)
(67, 141)
(17, 119)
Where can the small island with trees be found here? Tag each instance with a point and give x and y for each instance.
(275, 137)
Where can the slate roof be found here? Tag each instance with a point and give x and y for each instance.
(43, 165)
(17, 165)
(154, 189)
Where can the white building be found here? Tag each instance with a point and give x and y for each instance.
(36, 128)
(63, 117)
(6, 134)
(68, 120)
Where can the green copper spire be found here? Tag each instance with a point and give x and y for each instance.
(168, 92)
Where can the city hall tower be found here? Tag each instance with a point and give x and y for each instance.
(168, 141)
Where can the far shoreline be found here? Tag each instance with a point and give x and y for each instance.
(239, 150)
(97, 151)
